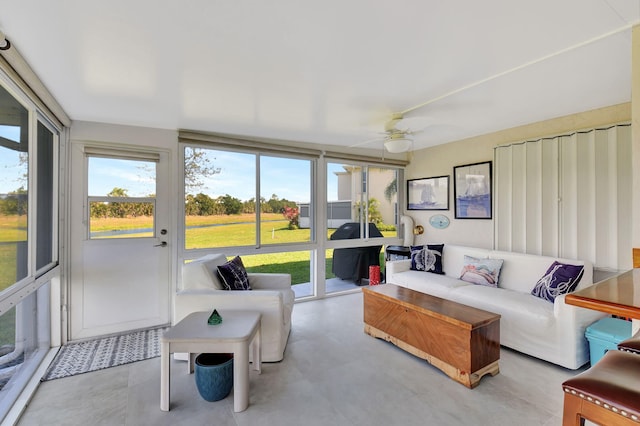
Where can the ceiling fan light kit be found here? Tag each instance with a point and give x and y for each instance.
(397, 143)
(396, 140)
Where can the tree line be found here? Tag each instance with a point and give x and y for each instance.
(203, 205)
(14, 203)
(195, 205)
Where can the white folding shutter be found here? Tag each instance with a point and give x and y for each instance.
(567, 196)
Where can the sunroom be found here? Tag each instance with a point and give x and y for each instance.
(139, 144)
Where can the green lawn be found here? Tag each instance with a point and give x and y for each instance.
(295, 263)
(7, 265)
(205, 232)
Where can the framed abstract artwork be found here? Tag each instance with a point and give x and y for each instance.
(472, 191)
(428, 193)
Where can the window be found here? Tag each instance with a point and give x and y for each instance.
(222, 208)
(295, 263)
(14, 190)
(45, 197)
(285, 186)
(362, 194)
(28, 239)
(121, 198)
(259, 200)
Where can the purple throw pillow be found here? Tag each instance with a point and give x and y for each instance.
(560, 278)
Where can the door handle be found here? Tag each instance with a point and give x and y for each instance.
(162, 244)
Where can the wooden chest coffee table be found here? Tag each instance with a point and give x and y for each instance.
(462, 341)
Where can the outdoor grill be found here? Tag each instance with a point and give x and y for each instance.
(353, 263)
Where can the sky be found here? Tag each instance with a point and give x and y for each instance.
(11, 171)
(287, 178)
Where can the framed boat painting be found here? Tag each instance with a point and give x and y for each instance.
(472, 191)
(428, 193)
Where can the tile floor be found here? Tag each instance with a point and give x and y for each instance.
(332, 374)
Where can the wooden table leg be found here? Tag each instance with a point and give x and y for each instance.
(165, 376)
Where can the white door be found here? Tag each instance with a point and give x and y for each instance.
(120, 241)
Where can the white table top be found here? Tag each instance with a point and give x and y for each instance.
(236, 326)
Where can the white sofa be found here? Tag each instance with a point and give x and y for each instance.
(550, 331)
(270, 294)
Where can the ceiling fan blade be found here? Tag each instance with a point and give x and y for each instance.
(418, 122)
(367, 142)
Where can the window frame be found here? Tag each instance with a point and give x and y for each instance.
(118, 154)
(318, 203)
(364, 196)
(31, 295)
(257, 244)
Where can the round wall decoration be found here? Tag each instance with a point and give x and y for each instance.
(439, 221)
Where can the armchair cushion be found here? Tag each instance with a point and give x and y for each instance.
(203, 273)
(269, 281)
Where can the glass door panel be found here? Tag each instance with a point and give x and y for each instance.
(285, 189)
(220, 207)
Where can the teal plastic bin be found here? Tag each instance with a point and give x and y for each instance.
(604, 335)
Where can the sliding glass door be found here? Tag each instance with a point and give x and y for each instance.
(362, 210)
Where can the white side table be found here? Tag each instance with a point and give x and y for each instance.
(238, 330)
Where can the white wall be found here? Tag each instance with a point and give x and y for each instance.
(635, 134)
(440, 160)
(127, 135)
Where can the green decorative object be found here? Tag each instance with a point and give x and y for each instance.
(214, 318)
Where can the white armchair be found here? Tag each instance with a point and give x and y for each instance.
(270, 294)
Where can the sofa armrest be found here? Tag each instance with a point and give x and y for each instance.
(397, 266)
(574, 316)
(188, 301)
(259, 280)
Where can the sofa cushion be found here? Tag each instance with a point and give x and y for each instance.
(560, 278)
(481, 271)
(435, 285)
(202, 273)
(234, 275)
(515, 307)
(427, 258)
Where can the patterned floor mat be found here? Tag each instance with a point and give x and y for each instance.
(83, 357)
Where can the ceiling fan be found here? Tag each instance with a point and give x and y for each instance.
(397, 140)
(397, 136)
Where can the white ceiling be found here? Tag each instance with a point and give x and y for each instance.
(330, 71)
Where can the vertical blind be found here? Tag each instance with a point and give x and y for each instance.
(567, 196)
